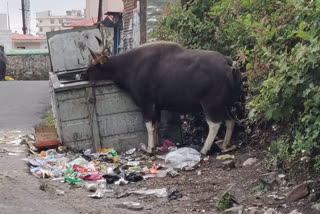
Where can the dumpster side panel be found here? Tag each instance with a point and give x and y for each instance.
(73, 111)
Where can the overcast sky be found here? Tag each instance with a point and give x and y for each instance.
(57, 7)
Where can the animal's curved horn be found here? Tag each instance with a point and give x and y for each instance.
(99, 41)
(94, 56)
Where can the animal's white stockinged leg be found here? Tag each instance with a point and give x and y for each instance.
(225, 144)
(213, 130)
(151, 136)
(156, 134)
(227, 138)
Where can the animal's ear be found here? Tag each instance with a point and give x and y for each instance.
(103, 59)
(106, 51)
(95, 58)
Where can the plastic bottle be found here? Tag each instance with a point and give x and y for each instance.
(69, 171)
(113, 152)
(73, 180)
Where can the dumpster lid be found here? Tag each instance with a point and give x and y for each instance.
(68, 49)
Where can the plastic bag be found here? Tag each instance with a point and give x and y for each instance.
(160, 193)
(184, 158)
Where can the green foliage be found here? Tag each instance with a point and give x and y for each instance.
(49, 119)
(278, 44)
(316, 165)
(225, 201)
(258, 189)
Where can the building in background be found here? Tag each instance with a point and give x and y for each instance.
(46, 22)
(5, 32)
(107, 5)
(21, 41)
(134, 24)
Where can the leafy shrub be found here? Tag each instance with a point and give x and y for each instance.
(278, 46)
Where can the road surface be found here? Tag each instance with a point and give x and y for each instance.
(23, 104)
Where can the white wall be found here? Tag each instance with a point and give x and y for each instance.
(5, 39)
(3, 21)
(30, 45)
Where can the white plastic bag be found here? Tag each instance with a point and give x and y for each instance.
(184, 158)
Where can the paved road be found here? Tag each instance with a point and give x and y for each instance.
(23, 103)
(20, 191)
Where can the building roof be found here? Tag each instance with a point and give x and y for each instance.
(85, 22)
(16, 36)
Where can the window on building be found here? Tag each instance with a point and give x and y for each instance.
(52, 21)
(60, 21)
(40, 21)
(40, 29)
(52, 29)
(21, 47)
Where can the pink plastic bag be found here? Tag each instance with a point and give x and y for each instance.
(93, 177)
(166, 145)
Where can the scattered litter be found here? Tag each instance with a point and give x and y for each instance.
(16, 142)
(206, 159)
(72, 180)
(93, 177)
(184, 158)
(97, 195)
(170, 171)
(172, 148)
(134, 177)
(106, 167)
(174, 194)
(121, 182)
(131, 151)
(160, 193)
(91, 187)
(225, 157)
(87, 152)
(79, 161)
(13, 154)
(133, 163)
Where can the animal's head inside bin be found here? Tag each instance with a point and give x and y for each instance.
(100, 67)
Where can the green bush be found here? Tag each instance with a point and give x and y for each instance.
(277, 43)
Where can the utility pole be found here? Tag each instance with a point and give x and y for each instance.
(8, 16)
(100, 11)
(24, 28)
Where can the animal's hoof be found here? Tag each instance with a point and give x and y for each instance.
(229, 149)
(149, 150)
(219, 144)
(143, 148)
(225, 149)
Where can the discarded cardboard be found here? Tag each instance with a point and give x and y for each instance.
(46, 136)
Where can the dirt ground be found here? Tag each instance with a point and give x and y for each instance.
(22, 192)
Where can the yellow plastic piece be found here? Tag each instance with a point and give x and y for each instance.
(7, 78)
